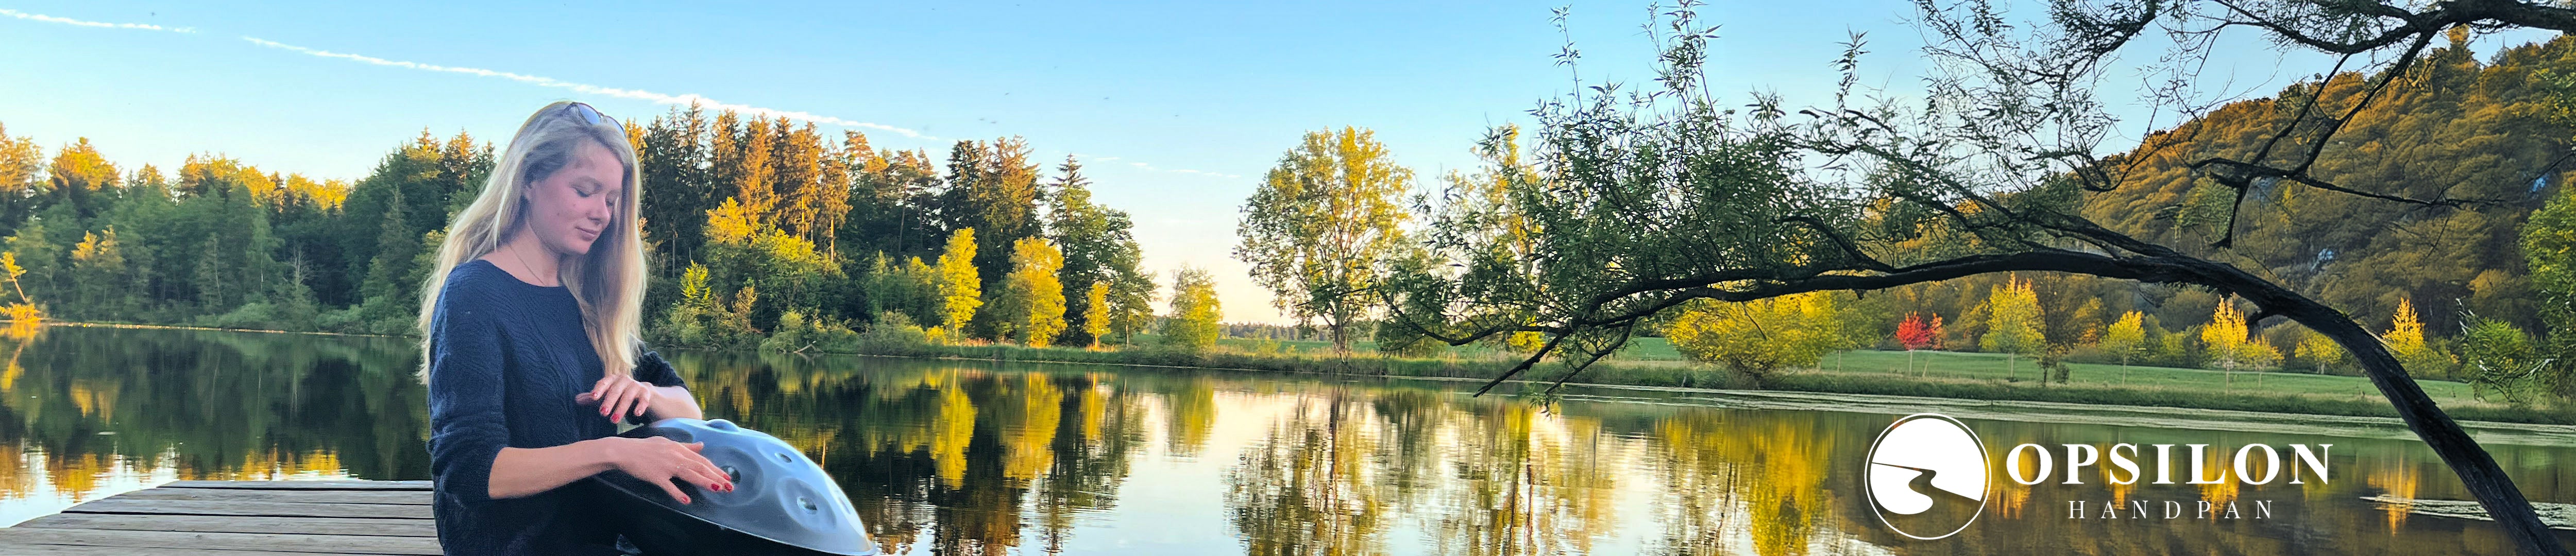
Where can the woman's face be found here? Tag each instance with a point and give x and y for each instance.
(569, 210)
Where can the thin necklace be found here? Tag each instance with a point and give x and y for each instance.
(523, 263)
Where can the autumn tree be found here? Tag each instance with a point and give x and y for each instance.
(1760, 337)
(2125, 337)
(1913, 334)
(2405, 339)
(961, 291)
(1655, 198)
(1030, 304)
(1319, 224)
(1095, 315)
(2013, 322)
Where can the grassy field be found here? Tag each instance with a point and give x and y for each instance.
(1991, 366)
(1980, 376)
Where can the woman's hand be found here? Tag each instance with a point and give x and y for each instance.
(618, 396)
(665, 463)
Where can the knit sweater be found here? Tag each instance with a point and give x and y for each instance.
(506, 358)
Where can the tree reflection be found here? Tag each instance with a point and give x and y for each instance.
(953, 457)
(1308, 487)
(82, 405)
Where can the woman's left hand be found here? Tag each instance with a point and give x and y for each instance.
(618, 396)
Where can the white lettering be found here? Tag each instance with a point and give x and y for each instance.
(2012, 464)
(2078, 456)
(2164, 464)
(2271, 464)
(2313, 460)
(2127, 463)
(2200, 467)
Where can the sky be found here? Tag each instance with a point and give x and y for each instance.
(1176, 109)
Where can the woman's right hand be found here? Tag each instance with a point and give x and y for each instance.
(665, 462)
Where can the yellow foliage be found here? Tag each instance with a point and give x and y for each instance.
(1762, 335)
(730, 223)
(961, 291)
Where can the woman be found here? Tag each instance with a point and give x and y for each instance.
(535, 299)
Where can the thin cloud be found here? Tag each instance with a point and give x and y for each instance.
(637, 94)
(85, 23)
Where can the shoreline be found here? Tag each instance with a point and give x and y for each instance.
(1808, 386)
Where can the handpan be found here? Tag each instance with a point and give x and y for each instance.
(782, 503)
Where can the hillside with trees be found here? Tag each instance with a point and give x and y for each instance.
(753, 226)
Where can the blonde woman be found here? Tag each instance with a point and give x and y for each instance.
(535, 300)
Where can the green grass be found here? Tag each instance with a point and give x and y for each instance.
(1992, 366)
(1976, 376)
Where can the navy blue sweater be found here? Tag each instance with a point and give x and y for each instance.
(505, 359)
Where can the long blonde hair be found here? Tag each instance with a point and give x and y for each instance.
(608, 281)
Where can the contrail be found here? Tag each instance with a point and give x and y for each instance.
(598, 90)
(100, 24)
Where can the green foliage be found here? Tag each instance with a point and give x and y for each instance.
(797, 333)
(2501, 360)
(911, 290)
(1193, 324)
(759, 205)
(2549, 248)
(1317, 227)
(1099, 249)
(702, 318)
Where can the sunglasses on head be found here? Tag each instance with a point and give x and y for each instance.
(590, 115)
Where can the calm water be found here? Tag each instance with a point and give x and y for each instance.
(947, 457)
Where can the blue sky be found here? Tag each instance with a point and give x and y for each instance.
(1177, 108)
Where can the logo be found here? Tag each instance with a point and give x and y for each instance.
(1927, 476)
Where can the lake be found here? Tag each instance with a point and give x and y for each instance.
(981, 457)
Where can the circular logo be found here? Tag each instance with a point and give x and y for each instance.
(1927, 476)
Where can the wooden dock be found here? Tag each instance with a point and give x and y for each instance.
(239, 518)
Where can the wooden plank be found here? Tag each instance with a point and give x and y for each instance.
(260, 495)
(327, 544)
(239, 524)
(16, 549)
(302, 485)
(123, 505)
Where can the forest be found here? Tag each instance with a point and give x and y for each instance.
(762, 232)
(746, 220)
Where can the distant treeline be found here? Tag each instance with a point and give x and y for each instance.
(765, 216)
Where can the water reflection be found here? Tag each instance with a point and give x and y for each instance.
(964, 457)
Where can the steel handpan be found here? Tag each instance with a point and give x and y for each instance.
(782, 503)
